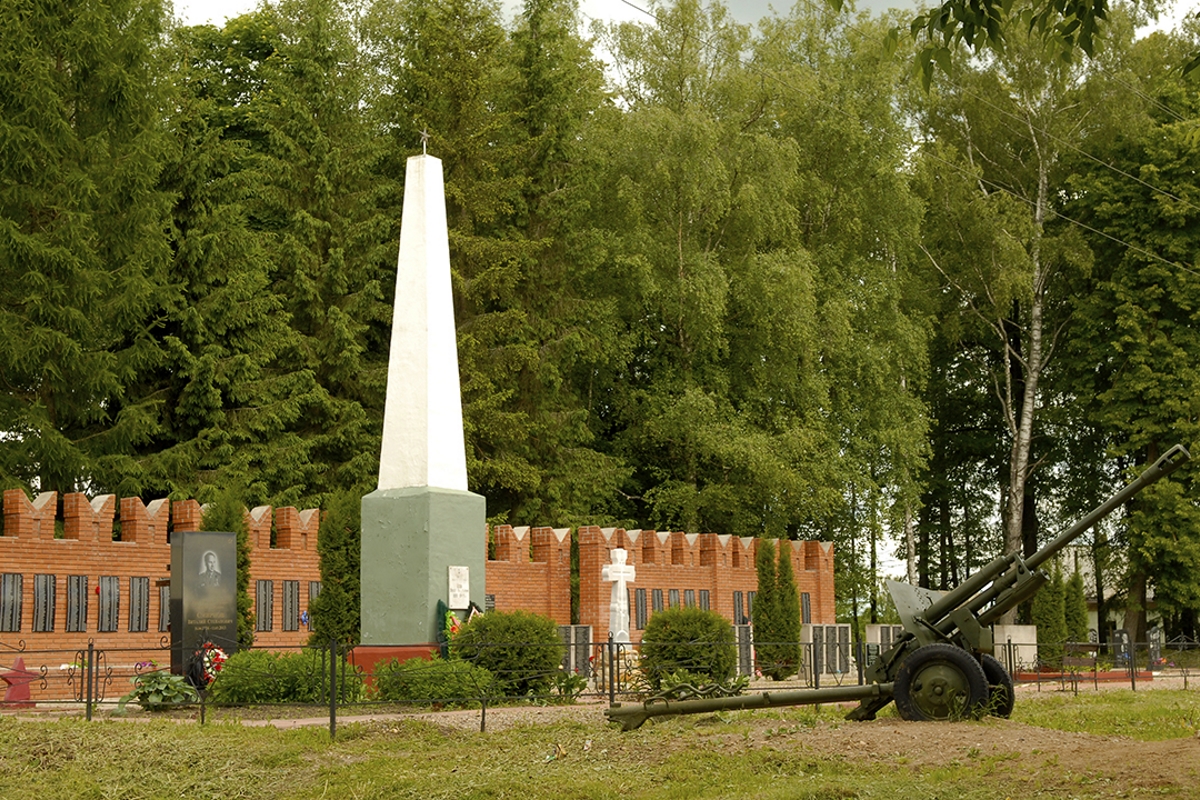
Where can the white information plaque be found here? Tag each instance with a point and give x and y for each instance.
(460, 587)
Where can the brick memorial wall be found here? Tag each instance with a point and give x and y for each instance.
(530, 569)
(105, 578)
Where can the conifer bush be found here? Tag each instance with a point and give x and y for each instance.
(692, 639)
(335, 611)
(776, 612)
(1050, 619)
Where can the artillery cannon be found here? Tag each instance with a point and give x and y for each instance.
(942, 667)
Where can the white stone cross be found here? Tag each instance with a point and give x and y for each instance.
(619, 573)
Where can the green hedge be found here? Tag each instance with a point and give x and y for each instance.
(700, 642)
(521, 649)
(252, 677)
(450, 682)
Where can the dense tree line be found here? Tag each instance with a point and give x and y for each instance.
(762, 281)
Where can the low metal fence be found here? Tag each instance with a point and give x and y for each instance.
(325, 681)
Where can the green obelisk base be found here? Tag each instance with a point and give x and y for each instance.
(410, 539)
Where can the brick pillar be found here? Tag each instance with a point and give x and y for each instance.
(29, 520)
(88, 521)
(828, 602)
(593, 593)
(553, 547)
(187, 515)
(519, 545)
(654, 548)
(296, 530)
(144, 524)
(502, 536)
(258, 525)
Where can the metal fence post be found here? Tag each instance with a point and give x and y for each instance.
(89, 677)
(1133, 666)
(860, 655)
(612, 693)
(333, 660)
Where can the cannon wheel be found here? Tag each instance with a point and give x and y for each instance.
(1002, 697)
(940, 682)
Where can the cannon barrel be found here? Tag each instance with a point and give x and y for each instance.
(1167, 463)
(632, 715)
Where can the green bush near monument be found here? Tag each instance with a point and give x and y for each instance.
(521, 649)
(692, 639)
(448, 682)
(252, 677)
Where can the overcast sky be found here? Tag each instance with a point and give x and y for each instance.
(196, 12)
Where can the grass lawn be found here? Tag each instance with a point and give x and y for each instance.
(1107, 744)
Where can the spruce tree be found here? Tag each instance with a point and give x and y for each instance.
(83, 249)
(234, 398)
(334, 248)
(335, 611)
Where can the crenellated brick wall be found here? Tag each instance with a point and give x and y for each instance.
(141, 553)
(531, 570)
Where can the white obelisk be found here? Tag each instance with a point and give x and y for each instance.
(422, 528)
(422, 418)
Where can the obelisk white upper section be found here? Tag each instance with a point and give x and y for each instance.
(422, 418)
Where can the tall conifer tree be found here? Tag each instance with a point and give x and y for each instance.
(83, 248)
(233, 401)
(788, 609)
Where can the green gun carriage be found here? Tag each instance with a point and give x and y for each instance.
(942, 666)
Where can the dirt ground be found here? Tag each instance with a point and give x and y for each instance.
(1027, 761)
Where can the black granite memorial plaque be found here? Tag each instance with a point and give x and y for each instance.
(203, 599)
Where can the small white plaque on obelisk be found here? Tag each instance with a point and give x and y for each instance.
(620, 574)
(460, 587)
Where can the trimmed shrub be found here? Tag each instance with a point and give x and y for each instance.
(450, 682)
(521, 649)
(251, 677)
(692, 639)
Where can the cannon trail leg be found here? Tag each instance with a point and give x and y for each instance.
(1002, 697)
